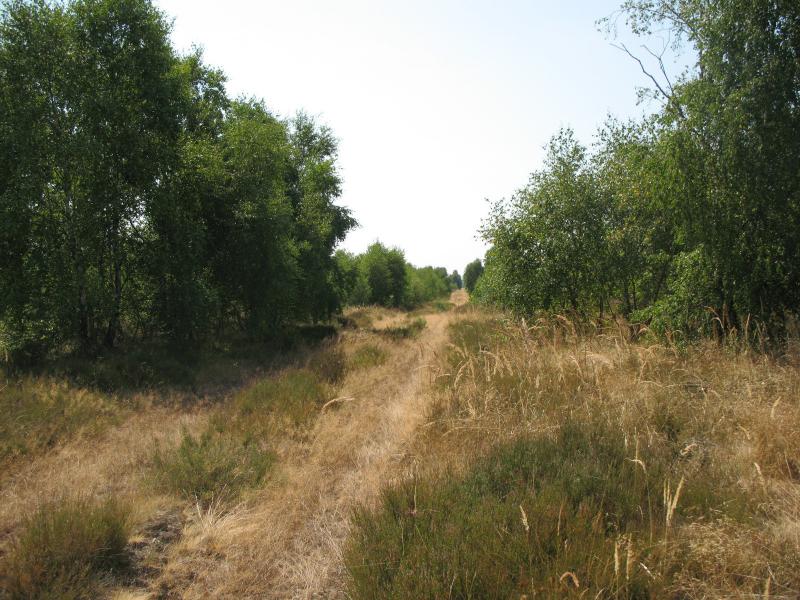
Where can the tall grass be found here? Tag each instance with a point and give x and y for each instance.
(559, 462)
(234, 452)
(65, 549)
(408, 330)
(38, 413)
(294, 395)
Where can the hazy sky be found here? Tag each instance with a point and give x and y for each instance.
(438, 104)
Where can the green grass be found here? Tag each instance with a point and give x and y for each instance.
(411, 329)
(38, 414)
(295, 395)
(366, 356)
(216, 465)
(65, 549)
(520, 519)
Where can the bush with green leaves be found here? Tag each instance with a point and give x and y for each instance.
(692, 211)
(472, 273)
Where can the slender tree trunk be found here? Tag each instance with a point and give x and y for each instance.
(113, 322)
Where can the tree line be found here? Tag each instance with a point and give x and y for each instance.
(687, 220)
(137, 198)
(382, 276)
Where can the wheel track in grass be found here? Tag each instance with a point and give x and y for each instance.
(288, 543)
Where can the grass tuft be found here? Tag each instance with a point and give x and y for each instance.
(329, 364)
(366, 356)
(295, 395)
(215, 466)
(65, 548)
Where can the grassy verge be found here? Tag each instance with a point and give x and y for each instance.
(561, 464)
(235, 452)
(538, 515)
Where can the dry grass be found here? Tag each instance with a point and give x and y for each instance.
(703, 500)
(714, 432)
(287, 540)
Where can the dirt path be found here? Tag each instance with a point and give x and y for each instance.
(289, 545)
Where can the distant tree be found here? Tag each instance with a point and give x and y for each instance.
(472, 273)
(455, 280)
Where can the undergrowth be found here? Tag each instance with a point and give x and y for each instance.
(214, 466)
(537, 516)
(234, 452)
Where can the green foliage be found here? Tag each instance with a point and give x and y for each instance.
(472, 273)
(63, 548)
(162, 207)
(454, 279)
(425, 284)
(382, 276)
(694, 211)
(214, 466)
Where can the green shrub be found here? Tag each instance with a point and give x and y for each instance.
(217, 465)
(367, 356)
(519, 520)
(64, 548)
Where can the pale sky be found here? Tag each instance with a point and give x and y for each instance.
(438, 104)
